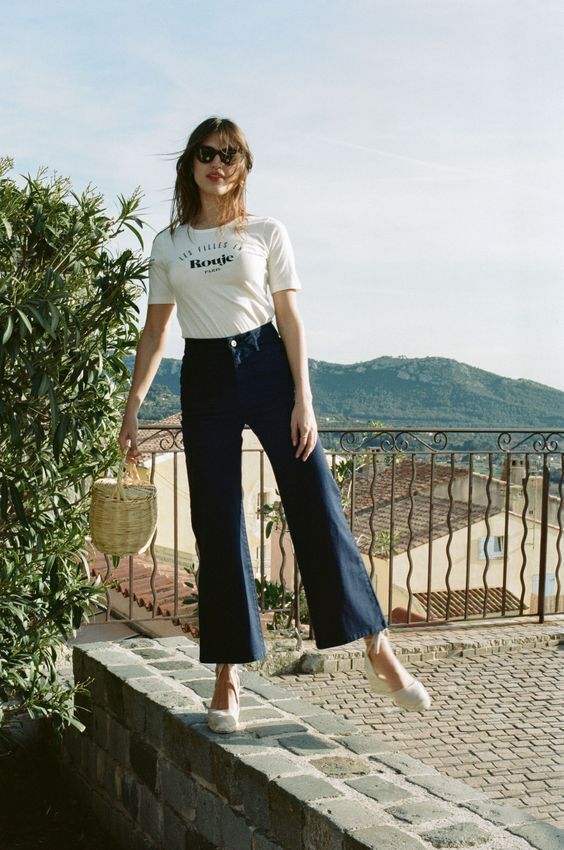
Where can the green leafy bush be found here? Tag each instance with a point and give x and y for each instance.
(67, 319)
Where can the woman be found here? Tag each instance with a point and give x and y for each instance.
(230, 273)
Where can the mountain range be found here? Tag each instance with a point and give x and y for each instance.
(402, 391)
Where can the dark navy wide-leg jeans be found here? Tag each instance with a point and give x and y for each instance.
(226, 383)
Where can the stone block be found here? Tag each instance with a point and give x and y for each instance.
(347, 814)
(262, 842)
(99, 727)
(262, 712)
(417, 813)
(98, 805)
(341, 766)
(542, 835)
(459, 834)
(325, 823)
(208, 815)
(153, 726)
(236, 832)
(150, 814)
(204, 688)
(117, 778)
(156, 686)
(130, 794)
(226, 774)
(134, 708)
(253, 774)
(241, 742)
(379, 789)
(141, 841)
(151, 653)
(105, 771)
(271, 765)
(306, 744)
(177, 789)
(168, 664)
(97, 686)
(196, 673)
(132, 671)
(382, 838)
(194, 841)
(174, 830)
(143, 760)
(286, 803)
(191, 651)
(250, 700)
(110, 655)
(274, 730)
(114, 694)
(118, 741)
(188, 745)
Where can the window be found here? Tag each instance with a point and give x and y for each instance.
(495, 547)
(550, 584)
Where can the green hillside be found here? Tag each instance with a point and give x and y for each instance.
(428, 391)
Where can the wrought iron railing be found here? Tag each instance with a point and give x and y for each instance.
(453, 526)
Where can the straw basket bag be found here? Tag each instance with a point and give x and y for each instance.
(123, 513)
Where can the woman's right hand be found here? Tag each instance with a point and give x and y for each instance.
(128, 433)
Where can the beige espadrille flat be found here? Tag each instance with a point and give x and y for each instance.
(414, 697)
(225, 719)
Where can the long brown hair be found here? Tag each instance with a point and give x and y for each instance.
(186, 205)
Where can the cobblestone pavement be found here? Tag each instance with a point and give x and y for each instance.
(496, 721)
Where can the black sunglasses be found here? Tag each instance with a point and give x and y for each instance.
(206, 153)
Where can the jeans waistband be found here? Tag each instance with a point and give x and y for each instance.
(261, 334)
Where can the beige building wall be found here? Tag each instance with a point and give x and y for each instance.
(477, 566)
(170, 464)
(164, 479)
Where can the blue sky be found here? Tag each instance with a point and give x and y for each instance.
(413, 148)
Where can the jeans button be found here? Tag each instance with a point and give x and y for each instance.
(233, 342)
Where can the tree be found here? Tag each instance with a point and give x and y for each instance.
(67, 319)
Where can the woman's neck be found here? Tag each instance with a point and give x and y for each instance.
(208, 216)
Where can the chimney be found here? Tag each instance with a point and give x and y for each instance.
(517, 471)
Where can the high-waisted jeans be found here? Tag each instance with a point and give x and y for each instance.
(225, 384)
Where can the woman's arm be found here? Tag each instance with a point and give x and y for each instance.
(303, 426)
(149, 354)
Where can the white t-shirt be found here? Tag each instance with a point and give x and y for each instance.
(222, 284)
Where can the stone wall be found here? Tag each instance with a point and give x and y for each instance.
(295, 778)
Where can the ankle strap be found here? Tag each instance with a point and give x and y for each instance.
(376, 639)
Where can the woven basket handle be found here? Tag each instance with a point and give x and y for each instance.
(132, 472)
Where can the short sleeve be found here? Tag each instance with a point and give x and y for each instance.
(160, 290)
(282, 272)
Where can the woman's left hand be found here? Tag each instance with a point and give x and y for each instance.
(303, 427)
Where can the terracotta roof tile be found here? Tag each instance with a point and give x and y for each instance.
(413, 531)
(382, 486)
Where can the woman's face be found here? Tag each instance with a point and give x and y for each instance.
(216, 177)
